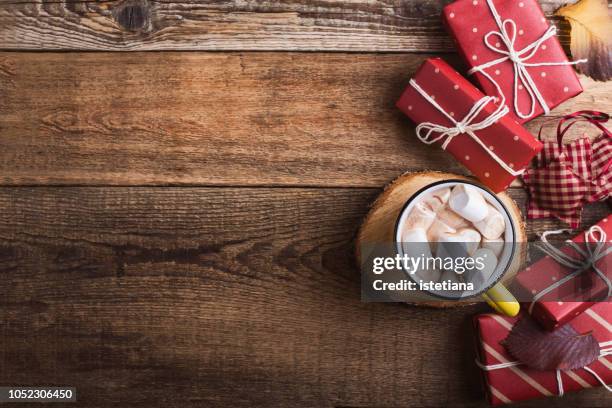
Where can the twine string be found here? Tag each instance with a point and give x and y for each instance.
(507, 35)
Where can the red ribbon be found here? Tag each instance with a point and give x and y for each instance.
(594, 117)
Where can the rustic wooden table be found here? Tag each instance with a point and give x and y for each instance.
(176, 227)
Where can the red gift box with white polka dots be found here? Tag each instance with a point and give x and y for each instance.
(505, 138)
(506, 383)
(570, 299)
(531, 62)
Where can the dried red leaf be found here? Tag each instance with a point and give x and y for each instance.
(563, 349)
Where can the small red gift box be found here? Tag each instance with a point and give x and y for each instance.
(561, 292)
(517, 53)
(449, 110)
(505, 385)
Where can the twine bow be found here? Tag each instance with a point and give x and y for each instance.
(429, 132)
(606, 350)
(507, 34)
(594, 250)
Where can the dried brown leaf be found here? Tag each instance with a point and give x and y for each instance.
(591, 36)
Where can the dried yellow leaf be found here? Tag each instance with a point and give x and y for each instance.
(591, 36)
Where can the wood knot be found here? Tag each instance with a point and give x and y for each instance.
(132, 15)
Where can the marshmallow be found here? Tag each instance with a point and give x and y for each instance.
(472, 238)
(493, 225)
(420, 217)
(460, 244)
(467, 201)
(450, 218)
(438, 228)
(496, 245)
(415, 243)
(437, 199)
(482, 277)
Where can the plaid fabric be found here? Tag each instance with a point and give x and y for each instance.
(564, 179)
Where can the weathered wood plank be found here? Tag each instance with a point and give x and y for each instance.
(205, 296)
(330, 25)
(306, 119)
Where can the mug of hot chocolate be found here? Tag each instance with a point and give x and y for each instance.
(460, 240)
(441, 240)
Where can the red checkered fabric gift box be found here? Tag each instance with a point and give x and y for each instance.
(567, 176)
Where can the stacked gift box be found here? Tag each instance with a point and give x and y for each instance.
(569, 286)
(522, 72)
(506, 383)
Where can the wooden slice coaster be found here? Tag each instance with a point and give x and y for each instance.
(379, 226)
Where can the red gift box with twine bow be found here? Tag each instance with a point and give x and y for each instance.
(450, 111)
(506, 381)
(513, 53)
(569, 279)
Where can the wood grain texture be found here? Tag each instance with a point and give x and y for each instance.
(302, 25)
(207, 297)
(302, 119)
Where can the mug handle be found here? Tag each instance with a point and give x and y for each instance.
(502, 301)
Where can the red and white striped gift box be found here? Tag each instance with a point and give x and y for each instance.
(519, 383)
